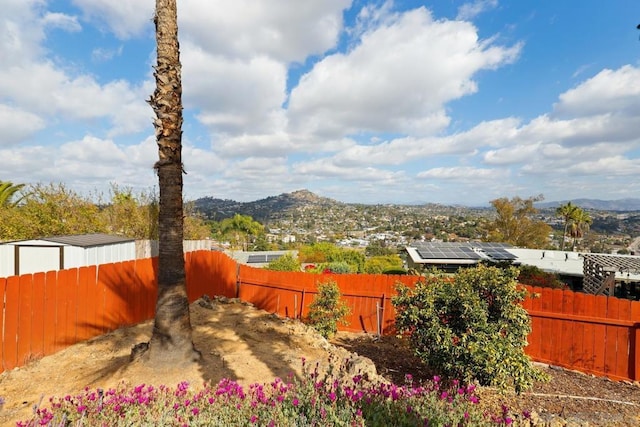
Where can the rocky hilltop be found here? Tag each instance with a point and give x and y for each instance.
(266, 209)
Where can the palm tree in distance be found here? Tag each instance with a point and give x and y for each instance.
(580, 223)
(566, 212)
(171, 342)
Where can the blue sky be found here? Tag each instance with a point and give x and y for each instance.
(362, 101)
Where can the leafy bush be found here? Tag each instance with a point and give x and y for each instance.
(534, 276)
(287, 262)
(378, 264)
(326, 310)
(338, 267)
(471, 327)
(317, 399)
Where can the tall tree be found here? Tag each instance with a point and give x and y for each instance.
(580, 223)
(171, 341)
(516, 224)
(242, 229)
(566, 212)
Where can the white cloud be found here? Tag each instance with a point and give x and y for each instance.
(470, 10)
(389, 84)
(62, 21)
(608, 91)
(464, 173)
(103, 55)
(234, 96)
(17, 125)
(125, 18)
(286, 31)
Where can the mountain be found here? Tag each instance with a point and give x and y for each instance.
(263, 209)
(595, 204)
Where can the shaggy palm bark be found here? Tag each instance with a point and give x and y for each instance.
(171, 340)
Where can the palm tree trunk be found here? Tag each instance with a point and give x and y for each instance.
(171, 340)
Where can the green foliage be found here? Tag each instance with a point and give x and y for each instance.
(287, 262)
(471, 327)
(337, 267)
(378, 248)
(326, 253)
(8, 191)
(50, 210)
(515, 223)
(381, 263)
(327, 310)
(241, 230)
(131, 215)
(534, 276)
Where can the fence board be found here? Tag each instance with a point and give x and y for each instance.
(623, 366)
(50, 309)
(83, 328)
(568, 339)
(546, 328)
(599, 335)
(578, 332)
(24, 318)
(37, 315)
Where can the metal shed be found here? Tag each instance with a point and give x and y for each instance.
(63, 252)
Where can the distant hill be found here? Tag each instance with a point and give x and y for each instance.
(263, 209)
(595, 204)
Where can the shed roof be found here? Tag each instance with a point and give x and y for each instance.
(88, 240)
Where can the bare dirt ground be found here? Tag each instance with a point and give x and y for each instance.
(249, 345)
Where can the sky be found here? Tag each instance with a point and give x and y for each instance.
(362, 101)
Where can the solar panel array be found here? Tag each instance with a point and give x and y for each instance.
(262, 258)
(465, 250)
(451, 252)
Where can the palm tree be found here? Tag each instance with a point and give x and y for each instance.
(580, 222)
(171, 341)
(7, 191)
(566, 212)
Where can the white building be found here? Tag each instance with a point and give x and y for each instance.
(63, 252)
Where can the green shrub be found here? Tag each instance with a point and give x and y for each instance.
(326, 310)
(339, 267)
(534, 276)
(286, 262)
(379, 264)
(471, 327)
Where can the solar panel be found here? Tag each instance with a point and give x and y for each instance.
(256, 259)
(273, 257)
(500, 254)
(447, 253)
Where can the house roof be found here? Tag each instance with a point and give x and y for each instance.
(458, 252)
(88, 240)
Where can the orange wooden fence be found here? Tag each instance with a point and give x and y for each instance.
(588, 333)
(46, 312)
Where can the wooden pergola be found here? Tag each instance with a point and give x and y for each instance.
(600, 271)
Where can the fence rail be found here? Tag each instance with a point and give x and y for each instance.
(46, 312)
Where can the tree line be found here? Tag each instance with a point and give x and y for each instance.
(42, 210)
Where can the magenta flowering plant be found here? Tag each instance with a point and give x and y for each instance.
(321, 397)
